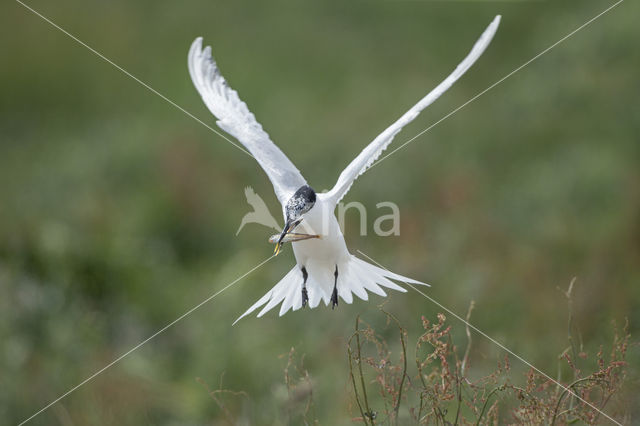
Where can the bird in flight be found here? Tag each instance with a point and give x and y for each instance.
(325, 269)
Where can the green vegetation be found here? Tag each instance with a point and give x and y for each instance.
(118, 212)
(443, 391)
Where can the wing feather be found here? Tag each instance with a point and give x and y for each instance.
(235, 118)
(371, 153)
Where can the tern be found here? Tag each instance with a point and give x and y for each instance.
(325, 269)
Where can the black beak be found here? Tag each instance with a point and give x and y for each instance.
(288, 227)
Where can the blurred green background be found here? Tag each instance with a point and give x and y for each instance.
(118, 212)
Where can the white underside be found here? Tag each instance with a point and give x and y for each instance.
(320, 257)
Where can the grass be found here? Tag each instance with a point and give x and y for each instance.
(435, 382)
(440, 391)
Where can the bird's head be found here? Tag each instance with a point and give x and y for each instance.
(299, 203)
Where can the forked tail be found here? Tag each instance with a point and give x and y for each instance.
(356, 277)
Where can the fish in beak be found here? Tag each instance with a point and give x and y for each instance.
(288, 227)
(289, 237)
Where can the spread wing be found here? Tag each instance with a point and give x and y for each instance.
(366, 158)
(235, 118)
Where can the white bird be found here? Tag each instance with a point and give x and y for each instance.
(325, 270)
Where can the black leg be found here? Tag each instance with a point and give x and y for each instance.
(334, 295)
(305, 295)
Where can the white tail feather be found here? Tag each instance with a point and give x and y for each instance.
(317, 294)
(279, 292)
(369, 283)
(355, 277)
(353, 283)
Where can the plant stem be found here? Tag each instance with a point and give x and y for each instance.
(353, 380)
(484, 406)
(396, 409)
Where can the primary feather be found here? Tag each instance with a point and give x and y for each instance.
(235, 118)
(371, 153)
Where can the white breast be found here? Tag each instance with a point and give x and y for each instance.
(330, 248)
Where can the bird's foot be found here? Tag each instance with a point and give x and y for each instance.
(305, 297)
(334, 298)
